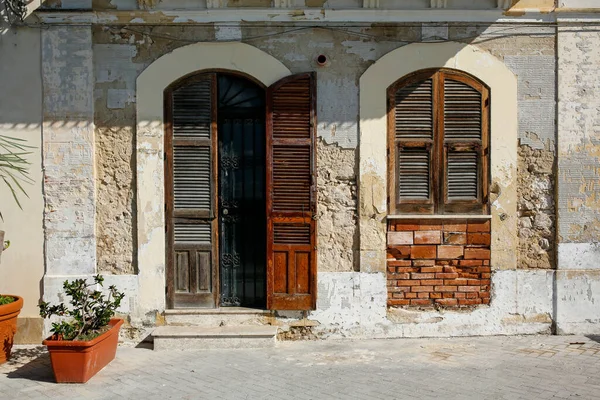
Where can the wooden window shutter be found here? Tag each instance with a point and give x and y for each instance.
(291, 205)
(438, 144)
(411, 119)
(465, 155)
(190, 166)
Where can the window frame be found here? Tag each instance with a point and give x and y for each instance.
(438, 146)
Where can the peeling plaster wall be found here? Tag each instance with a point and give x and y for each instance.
(578, 282)
(352, 291)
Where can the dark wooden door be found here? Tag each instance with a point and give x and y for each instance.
(190, 162)
(291, 194)
(242, 220)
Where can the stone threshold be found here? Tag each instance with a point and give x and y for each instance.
(218, 311)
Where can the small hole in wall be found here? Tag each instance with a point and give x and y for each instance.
(322, 60)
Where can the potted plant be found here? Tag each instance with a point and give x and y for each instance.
(83, 345)
(13, 171)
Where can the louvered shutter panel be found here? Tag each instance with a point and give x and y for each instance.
(465, 145)
(291, 229)
(413, 126)
(189, 171)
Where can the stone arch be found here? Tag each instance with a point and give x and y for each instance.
(373, 143)
(151, 83)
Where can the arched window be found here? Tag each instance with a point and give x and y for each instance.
(438, 144)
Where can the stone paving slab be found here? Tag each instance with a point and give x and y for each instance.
(516, 367)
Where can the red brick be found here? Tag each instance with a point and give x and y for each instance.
(403, 275)
(407, 225)
(486, 262)
(472, 295)
(478, 226)
(485, 281)
(444, 275)
(435, 295)
(410, 295)
(428, 237)
(423, 295)
(399, 289)
(407, 269)
(432, 269)
(470, 263)
(467, 289)
(468, 302)
(449, 269)
(484, 269)
(396, 238)
(485, 301)
(486, 275)
(445, 288)
(391, 269)
(481, 239)
(430, 226)
(454, 262)
(408, 282)
(442, 262)
(422, 289)
(423, 252)
(468, 275)
(399, 251)
(399, 263)
(458, 295)
(416, 275)
(423, 263)
(449, 251)
(398, 302)
(455, 238)
(455, 225)
(432, 282)
(476, 253)
(456, 282)
(446, 302)
(474, 282)
(447, 295)
(420, 302)
(397, 295)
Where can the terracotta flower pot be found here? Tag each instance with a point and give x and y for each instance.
(8, 325)
(76, 361)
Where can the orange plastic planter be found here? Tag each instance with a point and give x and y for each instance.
(8, 325)
(77, 362)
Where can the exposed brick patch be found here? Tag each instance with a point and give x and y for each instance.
(439, 263)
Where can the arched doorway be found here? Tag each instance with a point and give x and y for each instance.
(240, 192)
(215, 191)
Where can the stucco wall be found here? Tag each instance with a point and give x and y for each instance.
(22, 266)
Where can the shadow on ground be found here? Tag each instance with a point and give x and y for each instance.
(30, 363)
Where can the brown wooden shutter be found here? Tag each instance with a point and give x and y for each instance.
(189, 179)
(465, 109)
(438, 143)
(291, 203)
(411, 117)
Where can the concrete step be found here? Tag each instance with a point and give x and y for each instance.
(226, 316)
(222, 337)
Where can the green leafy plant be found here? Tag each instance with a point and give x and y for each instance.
(6, 300)
(14, 167)
(91, 310)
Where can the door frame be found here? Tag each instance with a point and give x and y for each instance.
(168, 198)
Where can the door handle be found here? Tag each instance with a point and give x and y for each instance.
(225, 211)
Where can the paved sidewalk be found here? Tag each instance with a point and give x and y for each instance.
(520, 367)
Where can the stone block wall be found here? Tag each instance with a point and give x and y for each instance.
(438, 263)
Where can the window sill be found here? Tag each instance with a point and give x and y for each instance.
(437, 216)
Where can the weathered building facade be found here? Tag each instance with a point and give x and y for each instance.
(359, 168)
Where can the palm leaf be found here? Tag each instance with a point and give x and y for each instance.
(14, 167)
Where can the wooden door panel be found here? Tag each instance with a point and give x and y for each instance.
(190, 196)
(291, 206)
